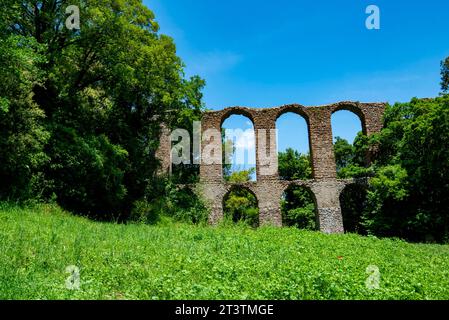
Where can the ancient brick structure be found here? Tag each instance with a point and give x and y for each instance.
(268, 188)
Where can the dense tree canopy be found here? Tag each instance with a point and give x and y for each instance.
(81, 108)
(409, 184)
(408, 194)
(293, 165)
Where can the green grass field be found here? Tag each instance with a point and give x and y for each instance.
(179, 261)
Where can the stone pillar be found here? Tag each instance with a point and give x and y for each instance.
(163, 152)
(211, 185)
(211, 149)
(269, 197)
(266, 145)
(373, 123)
(213, 194)
(327, 195)
(373, 117)
(321, 144)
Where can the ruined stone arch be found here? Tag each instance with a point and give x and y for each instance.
(300, 111)
(355, 109)
(325, 186)
(250, 187)
(308, 189)
(351, 196)
(236, 111)
(293, 108)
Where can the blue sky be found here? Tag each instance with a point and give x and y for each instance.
(269, 53)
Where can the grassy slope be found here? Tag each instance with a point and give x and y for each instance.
(189, 262)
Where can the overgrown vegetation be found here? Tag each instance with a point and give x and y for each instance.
(80, 116)
(297, 204)
(298, 208)
(407, 192)
(293, 165)
(80, 110)
(240, 204)
(181, 261)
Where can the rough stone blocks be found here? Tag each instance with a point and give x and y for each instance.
(268, 188)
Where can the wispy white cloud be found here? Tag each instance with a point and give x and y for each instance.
(244, 144)
(246, 140)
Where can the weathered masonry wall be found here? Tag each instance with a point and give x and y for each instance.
(268, 188)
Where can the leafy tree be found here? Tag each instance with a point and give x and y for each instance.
(408, 195)
(241, 176)
(445, 75)
(240, 204)
(297, 204)
(298, 208)
(22, 133)
(350, 159)
(293, 165)
(96, 101)
(228, 150)
(344, 153)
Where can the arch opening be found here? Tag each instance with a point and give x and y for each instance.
(293, 142)
(349, 143)
(298, 208)
(240, 205)
(239, 149)
(353, 200)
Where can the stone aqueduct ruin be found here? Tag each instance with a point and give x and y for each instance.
(268, 189)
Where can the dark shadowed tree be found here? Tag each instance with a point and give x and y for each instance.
(100, 93)
(445, 75)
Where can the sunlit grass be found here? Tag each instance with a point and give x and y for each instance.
(180, 261)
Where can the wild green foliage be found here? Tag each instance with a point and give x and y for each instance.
(297, 203)
(408, 194)
(240, 204)
(241, 176)
(22, 133)
(351, 162)
(350, 159)
(176, 202)
(298, 208)
(293, 165)
(353, 204)
(80, 109)
(180, 261)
